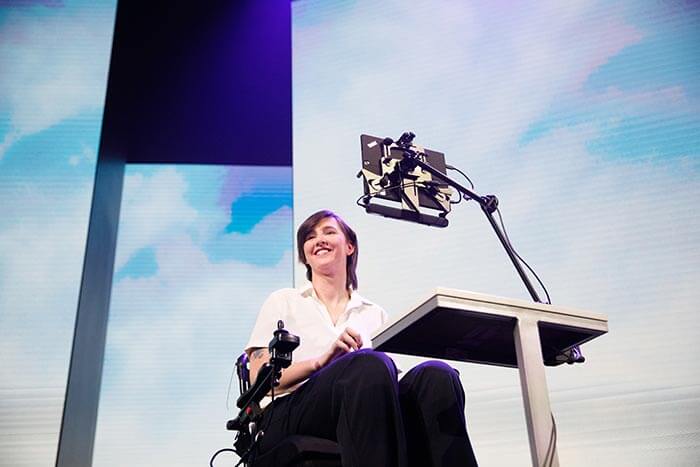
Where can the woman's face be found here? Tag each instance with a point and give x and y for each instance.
(326, 248)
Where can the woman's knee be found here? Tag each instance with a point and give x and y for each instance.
(432, 374)
(432, 381)
(437, 369)
(368, 363)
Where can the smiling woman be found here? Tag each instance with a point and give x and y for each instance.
(325, 232)
(338, 388)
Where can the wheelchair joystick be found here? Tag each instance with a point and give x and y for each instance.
(247, 422)
(281, 347)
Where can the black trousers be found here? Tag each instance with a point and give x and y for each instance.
(378, 421)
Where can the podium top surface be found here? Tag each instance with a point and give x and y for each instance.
(474, 327)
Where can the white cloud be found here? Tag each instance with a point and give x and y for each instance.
(52, 69)
(153, 208)
(470, 78)
(264, 243)
(610, 235)
(86, 155)
(41, 258)
(172, 341)
(172, 337)
(34, 298)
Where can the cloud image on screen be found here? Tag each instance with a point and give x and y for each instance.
(583, 119)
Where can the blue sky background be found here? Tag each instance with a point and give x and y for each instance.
(584, 119)
(187, 290)
(198, 250)
(54, 68)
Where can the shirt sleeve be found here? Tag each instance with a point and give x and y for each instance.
(272, 310)
(385, 317)
(379, 318)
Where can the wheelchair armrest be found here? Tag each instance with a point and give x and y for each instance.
(243, 373)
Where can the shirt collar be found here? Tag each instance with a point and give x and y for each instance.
(306, 290)
(356, 300)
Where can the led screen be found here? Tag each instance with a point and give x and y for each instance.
(199, 248)
(53, 75)
(583, 118)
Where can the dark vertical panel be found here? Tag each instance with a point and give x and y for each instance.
(82, 392)
(76, 437)
(188, 83)
(207, 84)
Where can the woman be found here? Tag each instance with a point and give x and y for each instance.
(340, 388)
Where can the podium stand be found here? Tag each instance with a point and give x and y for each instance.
(473, 327)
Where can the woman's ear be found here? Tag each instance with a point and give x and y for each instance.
(350, 249)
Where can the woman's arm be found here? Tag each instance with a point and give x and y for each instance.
(348, 341)
(291, 376)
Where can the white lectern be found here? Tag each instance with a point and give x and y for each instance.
(473, 327)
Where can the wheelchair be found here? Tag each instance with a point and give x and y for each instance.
(293, 451)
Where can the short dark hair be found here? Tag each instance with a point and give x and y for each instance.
(308, 226)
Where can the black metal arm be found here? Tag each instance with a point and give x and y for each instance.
(488, 205)
(280, 348)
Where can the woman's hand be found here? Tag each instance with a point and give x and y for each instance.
(349, 341)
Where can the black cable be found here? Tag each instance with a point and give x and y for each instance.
(211, 461)
(569, 354)
(503, 227)
(450, 167)
(398, 187)
(272, 409)
(552, 448)
(389, 188)
(460, 198)
(228, 391)
(243, 457)
(258, 435)
(500, 217)
(414, 184)
(228, 394)
(357, 201)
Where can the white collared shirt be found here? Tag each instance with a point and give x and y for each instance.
(306, 316)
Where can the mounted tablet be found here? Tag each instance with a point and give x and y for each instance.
(391, 178)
